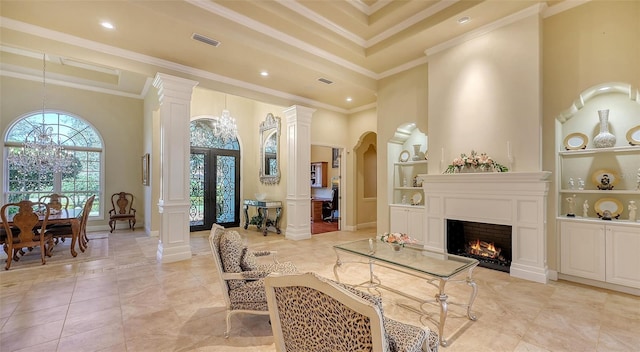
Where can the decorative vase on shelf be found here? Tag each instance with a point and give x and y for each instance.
(417, 154)
(604, 139)
(396, 247)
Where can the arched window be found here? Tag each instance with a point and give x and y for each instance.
(78, 138)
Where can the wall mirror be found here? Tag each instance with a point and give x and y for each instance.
(269, 150)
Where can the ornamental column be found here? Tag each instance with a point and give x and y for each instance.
(298, 200)
(174, 95)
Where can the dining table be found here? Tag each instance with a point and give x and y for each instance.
(62, 217)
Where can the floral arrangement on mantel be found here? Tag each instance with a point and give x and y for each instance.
(396, 238)
(474, 163)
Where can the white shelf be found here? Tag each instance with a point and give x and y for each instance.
(419, 206)
(411, 163)
(599, 221)
(592, 151)
(601, 192)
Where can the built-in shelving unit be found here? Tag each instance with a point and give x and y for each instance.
(622, 163)
(407, 186)
(406, 195)
(595, 250)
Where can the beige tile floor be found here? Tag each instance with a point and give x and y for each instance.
(116, 297)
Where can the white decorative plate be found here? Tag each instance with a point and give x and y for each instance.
(416, 198)
(633, 136)
(404, 155)
(575, 141)
(599, 177)
(611, 204)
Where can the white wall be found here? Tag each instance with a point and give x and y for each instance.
(486, 92)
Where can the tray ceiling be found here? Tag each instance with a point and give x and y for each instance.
(352, 43)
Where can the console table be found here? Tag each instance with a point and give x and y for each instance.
(434, 268)
(262, 209)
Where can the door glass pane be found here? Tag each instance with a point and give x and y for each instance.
(196, 191)
(225, 189)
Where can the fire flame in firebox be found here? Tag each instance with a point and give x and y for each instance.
(484, 249)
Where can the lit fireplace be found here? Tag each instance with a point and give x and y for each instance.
(484, 249)
(490, 244)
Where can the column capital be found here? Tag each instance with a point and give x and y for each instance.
(172, 86)
(298, 112)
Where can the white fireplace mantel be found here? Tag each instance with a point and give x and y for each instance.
(517, 199)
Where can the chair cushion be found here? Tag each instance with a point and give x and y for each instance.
(280, 268)
(122, 216)
(60, 230)
(251, 292)
(404, 337)
(230, 253)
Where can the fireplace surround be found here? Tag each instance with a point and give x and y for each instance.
(516, 199)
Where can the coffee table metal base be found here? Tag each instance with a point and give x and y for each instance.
(441, 298)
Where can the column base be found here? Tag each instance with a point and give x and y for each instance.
(171, 254)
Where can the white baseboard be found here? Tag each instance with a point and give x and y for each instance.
(367, 225)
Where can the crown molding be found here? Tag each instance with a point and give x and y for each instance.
(280, 36)
(561, 7)
(149, 60)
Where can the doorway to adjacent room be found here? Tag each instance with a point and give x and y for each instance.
(325, 188)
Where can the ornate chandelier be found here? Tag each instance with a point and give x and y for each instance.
(225, 127)
(40, 152)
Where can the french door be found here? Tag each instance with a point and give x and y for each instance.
(214, 188)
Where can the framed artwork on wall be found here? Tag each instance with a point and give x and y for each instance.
(145, 169)
(335, 158)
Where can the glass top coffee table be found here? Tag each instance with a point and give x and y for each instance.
(435, 268)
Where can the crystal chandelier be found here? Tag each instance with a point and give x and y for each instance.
(40, 152)
(225, 127)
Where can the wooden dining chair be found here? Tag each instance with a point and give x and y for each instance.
(66, 231)
(122, 210)
(26, 229)
(55, 201)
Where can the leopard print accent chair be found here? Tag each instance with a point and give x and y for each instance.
(312, 313)
(243, 290)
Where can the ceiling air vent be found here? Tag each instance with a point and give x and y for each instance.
(206, 40)
(324, 80)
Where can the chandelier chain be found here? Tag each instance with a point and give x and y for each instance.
(41, 154)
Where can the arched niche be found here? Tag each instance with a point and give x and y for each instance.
(366, 191)
(581, 117)
(405, 138)
(624, 89)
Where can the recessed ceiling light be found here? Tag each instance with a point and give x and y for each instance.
(107, 25)
(264, 73)
(349, 99)
(463, 20)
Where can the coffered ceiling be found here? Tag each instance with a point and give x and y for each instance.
(351, 43)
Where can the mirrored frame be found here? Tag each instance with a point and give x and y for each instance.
(270, 150)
